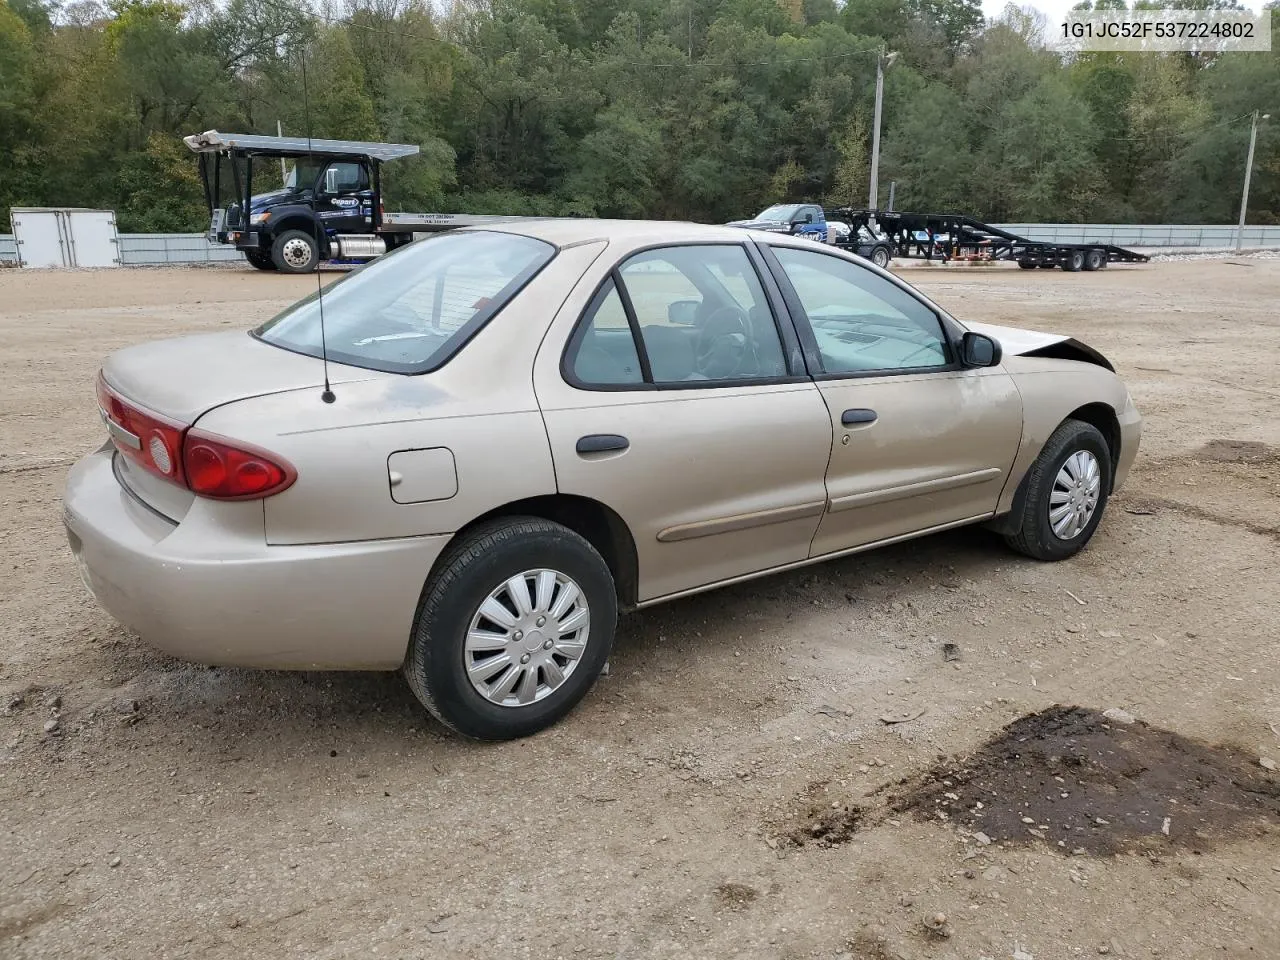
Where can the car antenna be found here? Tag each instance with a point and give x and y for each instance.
(327, 395)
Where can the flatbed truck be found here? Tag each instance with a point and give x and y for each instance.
(328, 208)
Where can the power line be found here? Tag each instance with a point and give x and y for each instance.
(1180, 135)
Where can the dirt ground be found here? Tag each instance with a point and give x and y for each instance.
(179, 811)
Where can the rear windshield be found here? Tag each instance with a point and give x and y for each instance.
(410, 310)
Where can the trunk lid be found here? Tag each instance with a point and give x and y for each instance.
(169, 384)
(185, 377)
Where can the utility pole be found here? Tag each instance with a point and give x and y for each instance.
(883, 61)
(1248, 173)
(284, 171)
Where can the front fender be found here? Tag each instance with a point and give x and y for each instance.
(1052, 390)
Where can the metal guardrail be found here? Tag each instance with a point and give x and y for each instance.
(138, 249)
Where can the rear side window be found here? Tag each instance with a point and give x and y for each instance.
(606, 351)
(700, 314)
(410, 310)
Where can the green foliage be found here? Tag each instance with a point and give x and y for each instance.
(690, 109)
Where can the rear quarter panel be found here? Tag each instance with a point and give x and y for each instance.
(480, 406)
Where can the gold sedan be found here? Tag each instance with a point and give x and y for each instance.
(472, 453)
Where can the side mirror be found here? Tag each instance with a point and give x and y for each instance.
(979, 350)
(683, 312)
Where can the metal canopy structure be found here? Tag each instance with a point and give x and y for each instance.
(211, 141)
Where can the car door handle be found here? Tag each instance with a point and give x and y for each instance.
(857, 415)
(602, 443)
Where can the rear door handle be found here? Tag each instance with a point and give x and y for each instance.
(857, 415)
(602, 443)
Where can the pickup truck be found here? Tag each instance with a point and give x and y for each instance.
(801, 219)
(810, 220)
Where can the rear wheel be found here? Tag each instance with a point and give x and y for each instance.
(1066, 493)
(1074, 262)
(1027, 264)
(512, 629)
(260, 259)
(1095, 259)
(880, 257)
(295, 252)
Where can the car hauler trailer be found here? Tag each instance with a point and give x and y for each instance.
(947, 236)
(329, 206)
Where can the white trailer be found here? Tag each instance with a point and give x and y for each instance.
(50, 237)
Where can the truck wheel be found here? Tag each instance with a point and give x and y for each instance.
(1095, 259)
(260, 259)
(295, 252)
(1074, 262)
(880, 257)
(1027, 264)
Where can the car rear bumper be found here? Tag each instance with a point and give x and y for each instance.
(210, 589)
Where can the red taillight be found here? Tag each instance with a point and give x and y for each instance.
(148, 439)
(227, 470)
(208, 465)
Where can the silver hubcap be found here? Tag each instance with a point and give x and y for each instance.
(527, 638)
(1075, 495)
(296, 252)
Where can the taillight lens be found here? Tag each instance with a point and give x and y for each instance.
(207, 464)
(228, 470)
(148, 439)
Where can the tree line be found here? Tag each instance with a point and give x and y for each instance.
(686, 109)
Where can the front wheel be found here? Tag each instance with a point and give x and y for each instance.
(295, 252)
(260, 259)
(1066, 493)
(513, 629)
(880, 257)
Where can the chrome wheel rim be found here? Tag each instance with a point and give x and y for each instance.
(880, 258)
(296, 252)
(527, 638)
(1074, 497)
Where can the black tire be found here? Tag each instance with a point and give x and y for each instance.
(1035, 536)
(1047, 266)
(283, 252)
(260, 259)
(1095, 259)
(1074, 262)
(880, 257)
(1027, 264)
(472, 567)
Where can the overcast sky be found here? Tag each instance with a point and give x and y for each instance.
(1055, 10)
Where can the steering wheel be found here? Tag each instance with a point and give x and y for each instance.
(723, 344)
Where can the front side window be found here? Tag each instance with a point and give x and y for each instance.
(345, 176)
(412, 309)
(862, 322)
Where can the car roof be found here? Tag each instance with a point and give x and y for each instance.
(565, 231)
